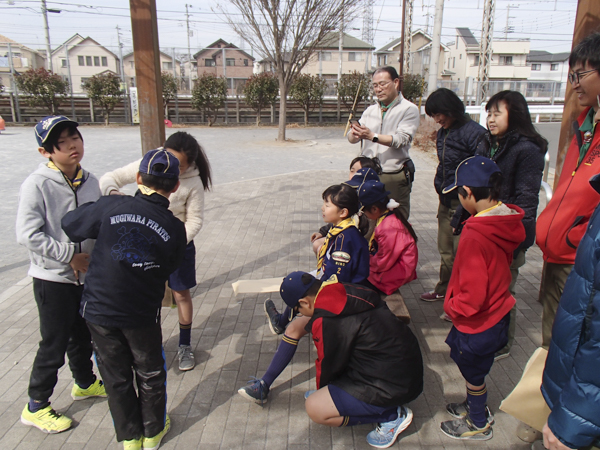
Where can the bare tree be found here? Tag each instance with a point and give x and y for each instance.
(288, 32)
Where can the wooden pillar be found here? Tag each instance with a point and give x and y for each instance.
(586, 22)
(146, 53)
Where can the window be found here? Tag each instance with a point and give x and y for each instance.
(553, 67)
(354, 56)
(88, 60)
(167, 65)
(476, 63)
(245, 62)
(536, 67)
(454, 62)
(230, 61)
(104, 61)
(326, 56)
(460, 56)
(506, 61)
(63, 63)
(96, 60)
(81, 61)
(84, 80)
(210, 63)
(132, 64)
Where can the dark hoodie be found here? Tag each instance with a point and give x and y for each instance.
(363, 348)
(478, 296)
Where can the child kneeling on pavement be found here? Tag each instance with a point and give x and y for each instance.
(139, 243)
(369, 363)
(478, 299)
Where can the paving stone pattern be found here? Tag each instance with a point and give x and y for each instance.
(255, 229)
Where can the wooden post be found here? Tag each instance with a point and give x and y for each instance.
(586, 22)
(92, 115)
(146, 53)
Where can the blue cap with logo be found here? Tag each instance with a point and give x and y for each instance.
(372, 192)
(361, 176)
(45, 126)
(473, 172)
(293, 288)
(160, 163)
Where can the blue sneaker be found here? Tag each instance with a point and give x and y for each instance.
(386, 433)
(256, 391)
(308, 393)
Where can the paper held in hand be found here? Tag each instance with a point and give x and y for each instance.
(257, 286)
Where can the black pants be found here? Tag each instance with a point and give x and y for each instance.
(120, 353)
(63, 331)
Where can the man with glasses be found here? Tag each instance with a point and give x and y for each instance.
(560, 228)
(386, 131)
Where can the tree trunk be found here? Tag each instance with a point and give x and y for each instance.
(306, 117)
(258, 117)
(282, 108)
(106, 118)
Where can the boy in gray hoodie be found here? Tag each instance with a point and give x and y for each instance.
(58, 269)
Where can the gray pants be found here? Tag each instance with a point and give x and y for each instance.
(447, 245)
(554, 277)
(399, 186)
(517, 263)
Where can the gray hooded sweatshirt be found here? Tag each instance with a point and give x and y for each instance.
(44, 199)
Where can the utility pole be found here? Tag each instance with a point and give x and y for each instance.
(47, 31)
(408, 10)
(401, 59)
(13, 85)
(176, 81)
(73, 116)
(435, 47)
(122, 69)
(485, 49)
(508, 28)
(339, 77)
(187, 23)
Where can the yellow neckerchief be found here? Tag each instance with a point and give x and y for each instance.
(148, 191)
(75, 182)
(383, 216)
(486, 210)
(346, 223)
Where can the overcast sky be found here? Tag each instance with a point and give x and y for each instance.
(547, 23)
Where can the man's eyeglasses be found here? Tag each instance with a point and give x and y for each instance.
(380, 85)
(575, 77)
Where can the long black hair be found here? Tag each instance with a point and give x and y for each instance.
(519, 119)
(382, 206)
(186, 143)
(446, 102)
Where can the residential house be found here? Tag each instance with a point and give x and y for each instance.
(420, 55)
(356, 56)
(509, 60)
(86, 58)
(548, 73)
(166, 65)
(23, 58)
(224, 59)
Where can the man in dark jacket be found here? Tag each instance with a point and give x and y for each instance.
(139, 243)
(571, 382)
(369, 363)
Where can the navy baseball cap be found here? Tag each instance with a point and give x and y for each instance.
(160, 163)
(293, 288)
(45, 126)
(473, 172)
(372, 192)
(362, 175)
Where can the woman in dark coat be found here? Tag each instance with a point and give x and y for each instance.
(518, 150)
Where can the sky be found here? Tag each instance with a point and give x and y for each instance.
(547, 23)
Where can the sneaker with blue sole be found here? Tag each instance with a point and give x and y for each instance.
(256, 391)
(385, 434)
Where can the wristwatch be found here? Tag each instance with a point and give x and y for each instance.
(375, 138)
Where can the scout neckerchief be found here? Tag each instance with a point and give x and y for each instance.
(371, 239)
(75, 182)
(488, 209)
(588, 128)
(147, 191)
(344, 224)
(385, 109)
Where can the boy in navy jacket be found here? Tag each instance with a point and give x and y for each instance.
(139, 243)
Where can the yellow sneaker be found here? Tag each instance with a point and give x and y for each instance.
(133, 444)
(95, 390)
(154, 442)
(45, 419)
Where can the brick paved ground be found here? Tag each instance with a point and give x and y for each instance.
(257, 229)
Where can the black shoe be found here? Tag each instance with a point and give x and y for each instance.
(273, 316)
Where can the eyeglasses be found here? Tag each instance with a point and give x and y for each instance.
(380, 85)
(575, 77)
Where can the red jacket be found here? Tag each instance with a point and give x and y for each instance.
(477, 296)
(563, 222)
(394, 261)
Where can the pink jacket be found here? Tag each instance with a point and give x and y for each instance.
(393, 263)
